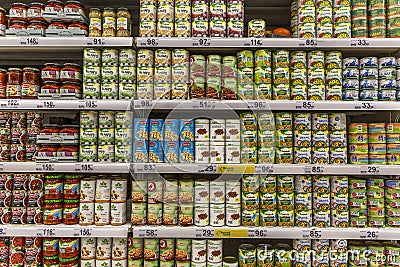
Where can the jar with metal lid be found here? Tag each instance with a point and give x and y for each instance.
(109, 12)
(3, 21)
(54, 6)
(58, 25)
(35, 11)
(78, 25)
(50, 87)
(123, 12)
(71, 72)
(30, 83)
(71, 88)
(18, 11)
(74, 7)
(18, 24)
(123, 22)
(95, 13)
(37, 25)
(51, 72)
(14, 81)
(109, 26)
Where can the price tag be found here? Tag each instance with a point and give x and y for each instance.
(46, 232)
(359, 43)
(369, 234)
(314, 169)
(208, 168)
(364, 105)
(152, 42)
(48, 167)
(305, 105)
(145, 168)
(204, 104)
(308, 42)
(312, 234)
(201, 42)
(141, 104)
(257, 233)
(95, 41)
(369, 170)
(205, 233)
(10, 103)
(153, 233)
(253, 42)
(32, 41)
(257, 105)
(83, 232)
(84, 167)
(48, 104)
(3, 231)
(264, 169)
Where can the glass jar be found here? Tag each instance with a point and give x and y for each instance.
(74, 262)
(14, 81)
(18, 24)
(54, 6)
(35, 11)
(3, 82)
(30, 83)
(51, 72)
(37, 25)
(124, 22)
(18, 11)
(74, 7)
(77, 25)
(109, 26)
(95, 13)
(58, 24)
(71, 73)
(71, 211)
(68, 152)
(47, 151)
(3, 21)
(123, 12)
(95, 27)
(50, 87)
(69, 88)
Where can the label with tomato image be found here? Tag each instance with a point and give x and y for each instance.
(6, 181)
(19, 198)
(20, 181)
(18, 152)
(5, 198)
(16, 258)
(18, 215)
(34, 215)
(35, 182)
(5, 218)
(35, 198)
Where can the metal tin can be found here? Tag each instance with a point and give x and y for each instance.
(256, 28)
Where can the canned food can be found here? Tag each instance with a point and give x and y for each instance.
(217, 215)
(86, 213)
(213, 247)
(256, 28)
(247, 255)
(199, 251)
(250, 217)
(200, 28)
(235, 28)
(233, 215)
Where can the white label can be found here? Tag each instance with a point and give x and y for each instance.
(233, 215)
(217, 215)
(119, 249)
(232, 192)
(88, 189)
(119, 263)
(102, 214)
(201, 215)
(88, 263)
(217, 192)
(118, 190)
(199, 251)
(202, 191)
(103, 190)
(86, 213)
(104, 248)
(118, 214)
(214, 251)
(88, 248)
(103, 263)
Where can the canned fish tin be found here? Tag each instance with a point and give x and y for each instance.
(370, 73)
(369, 62)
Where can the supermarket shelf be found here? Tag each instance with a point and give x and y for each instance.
(49, 104)
(64, 230)
(254, 43)
(284, 169)
(61, 44)
(78, 167)
(264, 105)
(265, 232)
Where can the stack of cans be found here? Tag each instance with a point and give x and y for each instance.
(127, 74)
(233, 212)
(141, 140)
(333, 75)
(358, 202)
(180, 77)
(392, 141)
(320, 138)
(340, 201)
(324, 20)
(145, 77)
(377, 18)
(248, 138)
(245, 61)
(298, 75)
(307, 19)
(217, 18)
(109, 74)
(197, 76)
(392, 203)
(316, 75)
(321, 201)
(235, 18)
(280, 74)
(321, 249)
(285, 199)
(229, 78)
(377, 143)
(217, 140)
(202, 202)
(89, 123)
(250, 200)
(303, 252)
(232, 143)
(337, 138)
(358, 248)
(284, 137)
(171, 140)
(302, 138)
(342, 19)
(123, 135)
(303, 201)
(186, 138)
(387, 79)
(268, 205)
(359, 19)
(392, 12)
(294, 18)
(351, 79)
(182, 18)
(263, 74)
(338, 250)
(165, 19)
(200, 18)
(358, 143)
(376, 202)
(266, 141)
(213, 76)
(106, 137)
(369, 78)
(162, 74)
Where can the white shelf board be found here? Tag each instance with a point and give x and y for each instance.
(78, 104)
(265, 232)
(64, 230)
(78, 167)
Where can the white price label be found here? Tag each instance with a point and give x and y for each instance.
(141, 104)
(10, 103)
(48, 104)
(312, 234)
(46, 232)
(152, 233)
(364, 105)
(95, 41)
(314, 169)
(208, 168)
(32, 41)
(253, 42)
(308, 42)
(83, 232)
(359, 43)
(48, 167)
(264, 169)
(84, 167)
(145, 168)
(204, 104)
(201, 42)
(369, 234)
(257, 233)
(305, 105)
(369, 170)
(257, 105)
(205, 233)
(149, 42)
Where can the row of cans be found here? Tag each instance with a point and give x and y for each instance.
(105, 136)
(123, 74)
(109, 90)
(109, 57)
(106, 119)
(105, 153)
(159, 152)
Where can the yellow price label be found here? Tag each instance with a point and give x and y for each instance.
(235, 169)
(231, 233)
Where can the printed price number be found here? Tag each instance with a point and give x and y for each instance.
(258, 105)
(208, 168)
(264, 169)
(143, 104)
(91, 104)
(13, 103)
(146, 168)
(359, 43)
(205, 233)
(151, 42)
(370, 170)
(305, 105)
(86, 167)
(83, 232)
(308, 43)
(313, 234)
(29, 41)
(256, 233)
(202, 42)
(46, 232)
(314, 169)
(48, 104)
(365, 105)
(254, 42)
(369, 234)
(96, 41)
(148, 233)
(45, 167)
(207, 104)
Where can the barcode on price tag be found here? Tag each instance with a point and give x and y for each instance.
(314, 169)
(253, 42)
(153, 233)
(205, 233)
(88, 104)
(257, 233)
(359, 42)
(308, 42)
(257, 105)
